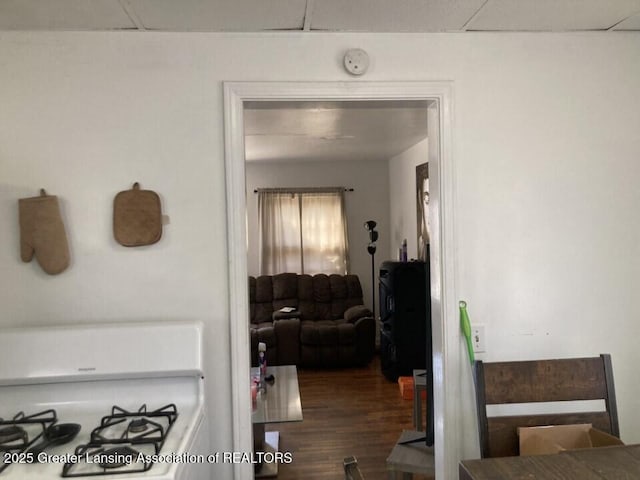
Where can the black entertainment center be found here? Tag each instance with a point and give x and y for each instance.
(405, 326)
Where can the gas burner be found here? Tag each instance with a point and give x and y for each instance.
(107, 458)
(116, 457)
(19, 432)
(13, 433)
(138, 425)
(123, 426)
(22, 431)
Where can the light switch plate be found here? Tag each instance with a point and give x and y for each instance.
(478, 338)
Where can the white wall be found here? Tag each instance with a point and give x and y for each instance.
(402, 175)
(85, 116)
(545, 150)
(368, 201)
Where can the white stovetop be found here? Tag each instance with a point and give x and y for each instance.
(82, 371)
(86, 403)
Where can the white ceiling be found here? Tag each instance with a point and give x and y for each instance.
(324, 131)
(331, 15)
(332, 131)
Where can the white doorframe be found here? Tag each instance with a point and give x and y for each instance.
(446, 338)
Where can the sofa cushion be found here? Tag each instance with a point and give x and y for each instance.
(354, 287)
(306, 304)
(339, 293)
(338, 285)
(264, 289)
(323, 311)
(321, 332)
(305, 288)
(285, 290)
(261, 313)
(346, 333)
(285, 286)
(288, 336)
(322, 297)
(326, 356)
(321, 288)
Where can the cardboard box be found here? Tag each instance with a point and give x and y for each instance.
(557, 438)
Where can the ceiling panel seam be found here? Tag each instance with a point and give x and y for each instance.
(132, 14)
(308, 14)
(613, 27)
(474, 16)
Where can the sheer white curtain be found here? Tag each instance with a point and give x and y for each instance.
(303, 231)
(279, 219)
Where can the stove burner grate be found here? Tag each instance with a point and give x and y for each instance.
(12, 434)
(22, 431)
(119, 439)
(110, 459)
(143, 425)
(117, 457)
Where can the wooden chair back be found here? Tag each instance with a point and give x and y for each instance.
(536, 381)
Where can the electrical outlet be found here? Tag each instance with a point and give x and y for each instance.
(478, 339)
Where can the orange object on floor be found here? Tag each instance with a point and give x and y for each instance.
(406, 388)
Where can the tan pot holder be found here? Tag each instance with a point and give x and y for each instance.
(137, 217)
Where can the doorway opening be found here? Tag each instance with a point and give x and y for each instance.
(353, 147)
(436, 98)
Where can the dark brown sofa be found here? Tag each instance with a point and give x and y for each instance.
(330, 327)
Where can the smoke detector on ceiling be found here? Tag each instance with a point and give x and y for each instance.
(356, 61)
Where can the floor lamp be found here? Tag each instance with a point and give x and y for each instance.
(371, 248)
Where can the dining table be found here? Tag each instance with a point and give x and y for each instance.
(610, 463)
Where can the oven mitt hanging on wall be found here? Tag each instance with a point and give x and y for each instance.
(137, 217)
(42, 232)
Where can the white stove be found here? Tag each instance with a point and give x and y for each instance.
(134, 390)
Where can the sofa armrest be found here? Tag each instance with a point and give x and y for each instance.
(352, 314)
(287, 332)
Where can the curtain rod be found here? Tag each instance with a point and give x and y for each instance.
(303, 190)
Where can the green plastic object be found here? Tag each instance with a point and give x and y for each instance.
(465, 326)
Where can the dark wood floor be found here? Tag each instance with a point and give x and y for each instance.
(353, 411)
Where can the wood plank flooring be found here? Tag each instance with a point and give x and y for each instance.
(353, 411)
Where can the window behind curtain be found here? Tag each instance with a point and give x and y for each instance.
(302, 231)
